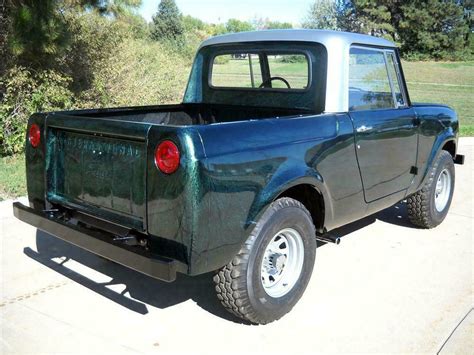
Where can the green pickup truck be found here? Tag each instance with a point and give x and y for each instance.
(282, 136)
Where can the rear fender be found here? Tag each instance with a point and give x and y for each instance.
(216, 245)
(35, 164)
(284, 180)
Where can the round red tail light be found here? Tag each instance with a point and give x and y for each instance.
(34, 135)
(167, 157)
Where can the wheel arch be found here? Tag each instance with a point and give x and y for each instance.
(307, 187)
(447, 142)
(311, 198)
(294, 181)
(450, 147)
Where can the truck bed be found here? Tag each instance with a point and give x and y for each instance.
(188, 114)
(98, 161)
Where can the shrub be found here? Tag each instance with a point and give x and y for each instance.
(24, 94)
(222, 59)
(93, 40)
(294, 58)
(460, 55)
(139, 72)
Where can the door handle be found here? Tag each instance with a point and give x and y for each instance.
(363, 129)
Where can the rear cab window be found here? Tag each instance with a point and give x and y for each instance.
(239, 70)
(285, 71)
(374, 80)
(284, 75)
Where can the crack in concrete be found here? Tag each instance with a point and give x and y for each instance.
(453, 331)
(33, 294)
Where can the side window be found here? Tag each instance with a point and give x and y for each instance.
(369, 84)
(394, 75)
(291, 67)
(236, 70)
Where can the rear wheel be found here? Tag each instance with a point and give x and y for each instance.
(270, 273)
(428, 207)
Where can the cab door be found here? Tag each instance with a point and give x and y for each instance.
(385, 126)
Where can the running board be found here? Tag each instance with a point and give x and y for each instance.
(328, 238)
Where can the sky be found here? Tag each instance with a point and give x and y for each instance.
(219, 11)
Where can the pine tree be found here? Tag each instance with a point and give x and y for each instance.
(37, 32)
(375, 17)
(434, 28)
(346, 16)
(167, 22)
(4, 31)
(116, 8)
(426, 28)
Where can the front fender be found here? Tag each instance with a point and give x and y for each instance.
(438, 125)
(439, 143)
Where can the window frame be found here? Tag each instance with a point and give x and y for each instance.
(264, 68)
(399, 78)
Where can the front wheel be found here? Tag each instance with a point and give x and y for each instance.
(428, 207)
(270, 273)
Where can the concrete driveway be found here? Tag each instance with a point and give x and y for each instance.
(388, 287)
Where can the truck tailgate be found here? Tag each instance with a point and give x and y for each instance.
(98, 167)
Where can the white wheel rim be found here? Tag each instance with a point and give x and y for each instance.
(282, 262)
(442, 190)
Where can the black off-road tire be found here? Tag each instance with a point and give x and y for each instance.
(238, 284)
(421, 205)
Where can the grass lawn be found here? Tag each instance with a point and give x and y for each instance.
(12, 177)
(437, 82)
(445, 83)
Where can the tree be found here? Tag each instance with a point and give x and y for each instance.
(115, 8)
(346, 16)
(322, 14)
(167, 22)
(260, 23)
(191, 23)
(435, 28)
(467, 6)
(276, 25)
(376, 17)
(217, 29)
(334, 15)
(233, 25)
(38, 32)
(4, 31)
(431, 28)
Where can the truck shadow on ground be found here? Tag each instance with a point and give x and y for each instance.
(396, 215)
(141, 290)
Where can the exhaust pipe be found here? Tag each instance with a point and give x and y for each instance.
(328, 238)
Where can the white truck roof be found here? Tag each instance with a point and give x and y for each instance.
(325, 37)
(337, 44)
